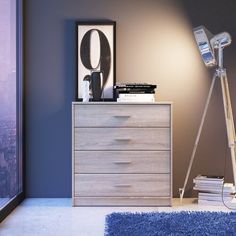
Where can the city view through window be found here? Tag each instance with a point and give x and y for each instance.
(9, 160)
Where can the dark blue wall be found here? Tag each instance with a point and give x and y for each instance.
(50, 79)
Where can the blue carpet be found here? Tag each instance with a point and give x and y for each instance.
(176, 223)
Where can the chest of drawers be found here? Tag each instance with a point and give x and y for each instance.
(122, 154)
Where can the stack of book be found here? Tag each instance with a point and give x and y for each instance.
(213, 191)
(135, 92)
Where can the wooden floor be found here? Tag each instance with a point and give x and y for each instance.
(56, 217)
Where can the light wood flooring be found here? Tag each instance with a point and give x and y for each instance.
(56, 217)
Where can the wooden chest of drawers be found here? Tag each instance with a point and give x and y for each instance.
(122, 154)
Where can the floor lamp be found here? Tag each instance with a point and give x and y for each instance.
(208, 45)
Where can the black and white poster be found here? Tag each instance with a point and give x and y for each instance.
(96, 53)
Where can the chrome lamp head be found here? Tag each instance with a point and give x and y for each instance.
(207, 43)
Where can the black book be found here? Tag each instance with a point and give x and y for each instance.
(136, 91)
(135, 85)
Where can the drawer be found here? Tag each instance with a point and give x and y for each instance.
(115, 115)
(122, 185)
(122, 162)
(122, 201)
(122, 139)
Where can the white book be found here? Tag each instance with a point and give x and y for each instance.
(197, 186)
(228, 188)
(230, 203)
(137, 95)
(214, 190)
(216, 198)
(135, 100)
(202, 194)
(209, 178)
(207, 185)
(208, 181)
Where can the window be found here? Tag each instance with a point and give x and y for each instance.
(11, 177)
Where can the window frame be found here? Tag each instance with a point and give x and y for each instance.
(15, 201)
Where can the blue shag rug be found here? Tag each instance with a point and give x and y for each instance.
(175, 223)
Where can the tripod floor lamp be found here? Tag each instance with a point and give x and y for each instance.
(208, 45)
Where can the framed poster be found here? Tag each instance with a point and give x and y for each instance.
(96, 53)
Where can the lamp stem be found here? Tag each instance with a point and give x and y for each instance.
(220, 57)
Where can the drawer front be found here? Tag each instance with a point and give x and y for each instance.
(122, 185)
(122, 139)
(122, 162)
(122, 201)
(116, 115)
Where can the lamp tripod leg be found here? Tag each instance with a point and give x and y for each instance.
(232, 151)
(229, 120)
(182, 190)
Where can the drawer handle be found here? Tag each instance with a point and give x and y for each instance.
(122, 139)
(122, 117)
(122, 162)
(122, 185)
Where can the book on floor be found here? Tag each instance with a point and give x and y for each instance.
(212, 190)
